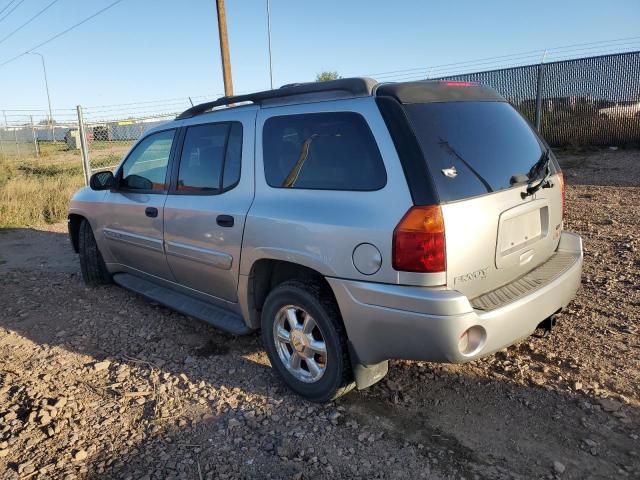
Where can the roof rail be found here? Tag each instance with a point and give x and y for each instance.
(355, 87)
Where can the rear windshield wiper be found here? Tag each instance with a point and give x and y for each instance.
(539, 170)
(444, 144)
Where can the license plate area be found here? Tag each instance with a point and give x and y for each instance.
(520, 230)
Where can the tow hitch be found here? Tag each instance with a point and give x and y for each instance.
(544, 328)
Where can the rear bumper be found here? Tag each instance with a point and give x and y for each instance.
(416, 323)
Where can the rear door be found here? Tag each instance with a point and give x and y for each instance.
(211, 192)
(494, 233)
(133, 223)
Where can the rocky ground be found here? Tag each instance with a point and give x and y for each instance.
(100, 383)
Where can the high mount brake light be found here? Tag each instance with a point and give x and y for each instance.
(419, 241)
(459, 84)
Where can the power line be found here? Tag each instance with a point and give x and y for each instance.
(164, 100)
(529, 53)
(58, 35)
(471, 69)
(11, 11)
(7, 6)
(29, 21)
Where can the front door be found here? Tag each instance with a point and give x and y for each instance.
(204, 216)
(133, 225)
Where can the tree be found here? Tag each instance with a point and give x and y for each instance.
(327, 75)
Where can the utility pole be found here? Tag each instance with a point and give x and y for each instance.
(224, 48)
(46, 86)
(269, 33)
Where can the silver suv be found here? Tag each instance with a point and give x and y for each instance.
(352, 222)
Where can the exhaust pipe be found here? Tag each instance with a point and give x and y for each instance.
(544, 328)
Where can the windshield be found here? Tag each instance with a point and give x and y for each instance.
(473, 148)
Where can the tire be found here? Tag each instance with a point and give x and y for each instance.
(94, 271)
(308, 299)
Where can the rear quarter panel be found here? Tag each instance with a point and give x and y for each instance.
(321, 228)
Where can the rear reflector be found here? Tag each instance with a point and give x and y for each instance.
(418, 241)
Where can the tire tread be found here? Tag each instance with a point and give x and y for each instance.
(94, 271)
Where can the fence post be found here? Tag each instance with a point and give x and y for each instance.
(86, 167)
(539, 92)
(35, 137)
(4, 133)
(15, 134)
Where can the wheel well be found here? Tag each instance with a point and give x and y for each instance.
(74, 229)
(267, 274)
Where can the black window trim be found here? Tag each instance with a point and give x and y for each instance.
(175, 170)
(373, 137)
(414, 164)
(118, 176)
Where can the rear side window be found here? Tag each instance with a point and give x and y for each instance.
(473, 148)
(326, 151)
(211, 158)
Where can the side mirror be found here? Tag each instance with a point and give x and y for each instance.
(102, 181)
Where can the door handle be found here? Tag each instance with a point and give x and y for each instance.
(151, 212)
(225, 220)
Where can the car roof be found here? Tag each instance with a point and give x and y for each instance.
(422, 91)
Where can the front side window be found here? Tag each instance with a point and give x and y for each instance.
(146, 166)
(327, 151)
(211, 157)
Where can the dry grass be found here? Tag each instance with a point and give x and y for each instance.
(37, 191)
(32, 200)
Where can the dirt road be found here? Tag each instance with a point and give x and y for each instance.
(100, 383)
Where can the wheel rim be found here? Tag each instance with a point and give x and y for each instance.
(300, 344)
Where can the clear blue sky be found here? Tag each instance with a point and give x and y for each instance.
(150, 50)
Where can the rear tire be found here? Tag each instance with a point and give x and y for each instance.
(94, 271)
(321, 371)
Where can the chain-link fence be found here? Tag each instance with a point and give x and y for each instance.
(18, 138)
(110, 130)
(587, 101)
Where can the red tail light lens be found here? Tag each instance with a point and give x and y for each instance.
(561, 182)
(418, 241)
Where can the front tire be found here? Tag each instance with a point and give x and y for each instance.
(305, 340)
(94, 271)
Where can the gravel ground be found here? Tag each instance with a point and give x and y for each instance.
(100, 383)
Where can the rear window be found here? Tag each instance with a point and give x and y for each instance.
(473, 148)
(326, 151)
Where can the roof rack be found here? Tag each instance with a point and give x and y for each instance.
(354, 87)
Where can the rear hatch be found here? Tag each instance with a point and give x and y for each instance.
(479, 154)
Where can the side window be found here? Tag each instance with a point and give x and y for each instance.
(146, 166)
(211, 158)
(327, 151)
(233, 161)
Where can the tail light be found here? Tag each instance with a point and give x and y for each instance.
(561, 182)
(418, 241)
